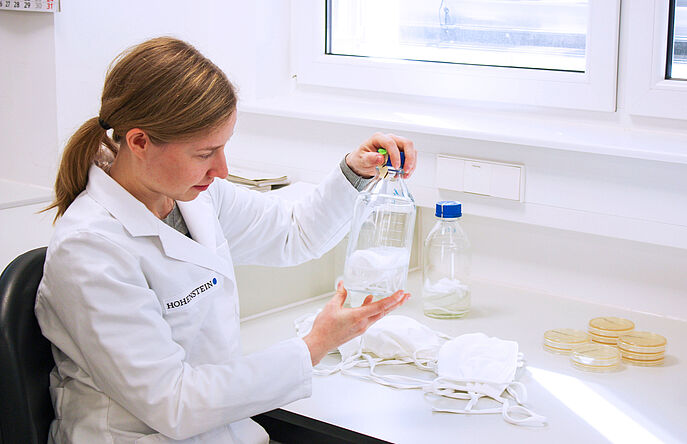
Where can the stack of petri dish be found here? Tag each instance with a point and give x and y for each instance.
(562, 340)
(642, 348)
(605, 330)
(595, 357)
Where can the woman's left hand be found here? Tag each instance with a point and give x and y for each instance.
(365, 159)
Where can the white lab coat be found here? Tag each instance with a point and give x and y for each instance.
(144, 321)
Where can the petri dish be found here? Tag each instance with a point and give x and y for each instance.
(644, 363)
(557, 351)
(595, 368)
(642, 342)
(610, 340)
(610, 326)
(641, 356)
(565, 337)
(595, 357)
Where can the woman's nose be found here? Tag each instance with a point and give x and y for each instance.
(219, 167)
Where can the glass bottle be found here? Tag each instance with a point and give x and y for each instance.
(381, 237)
(446, 265)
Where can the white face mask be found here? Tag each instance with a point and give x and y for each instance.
(476, 357)
(396, 340)
(469, 367)
(403, 338)
(391, 340)
(473, 366)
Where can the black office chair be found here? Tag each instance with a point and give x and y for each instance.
(25, 357)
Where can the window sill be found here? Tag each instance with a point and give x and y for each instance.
(522, 128)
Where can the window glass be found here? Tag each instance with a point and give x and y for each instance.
(677, 66)
(542, 34)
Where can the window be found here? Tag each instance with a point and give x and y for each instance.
(657, 65)
(676, 67)
(556, 53)
(522, 34)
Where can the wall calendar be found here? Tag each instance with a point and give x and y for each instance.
(31, 5)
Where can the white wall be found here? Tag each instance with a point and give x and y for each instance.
(597, 227)
(28, 143)
(90, 34)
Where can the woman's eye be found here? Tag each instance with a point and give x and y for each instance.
(205, 156)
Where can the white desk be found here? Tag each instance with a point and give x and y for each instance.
(634, 404)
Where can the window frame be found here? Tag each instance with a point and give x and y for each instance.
(595, 89)
(650, 93)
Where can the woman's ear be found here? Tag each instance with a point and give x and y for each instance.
(138, 142)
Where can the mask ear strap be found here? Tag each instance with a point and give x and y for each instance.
(468, 410)
(349, 362)
(447, 393)
(424, 363)
(521, 362)
(326, 371)
(397, 381)
(519, 396)
(474, 397)
(321, 370)
(432, 392)
(507, 411)
(530, 418)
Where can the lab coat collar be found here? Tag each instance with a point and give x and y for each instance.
(198, 215)
(139, 221)
(128, 210)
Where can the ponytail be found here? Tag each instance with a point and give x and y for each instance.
(80, 153)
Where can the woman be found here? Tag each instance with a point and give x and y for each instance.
(138, 295)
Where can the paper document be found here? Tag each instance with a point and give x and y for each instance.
(258, 180)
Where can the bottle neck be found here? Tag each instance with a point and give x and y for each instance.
(391, 172)
(389, 182)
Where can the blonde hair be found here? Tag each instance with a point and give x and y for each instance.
(163, 86)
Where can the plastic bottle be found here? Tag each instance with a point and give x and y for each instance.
(381, 237)
(446, 265)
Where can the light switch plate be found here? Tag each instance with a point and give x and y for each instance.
(477, 178)
(485, 177)
(450, 172)
(505, 181)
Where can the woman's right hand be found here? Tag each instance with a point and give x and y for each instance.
(336, 324)
(365, 159)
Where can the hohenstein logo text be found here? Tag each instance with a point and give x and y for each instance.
(196, 291)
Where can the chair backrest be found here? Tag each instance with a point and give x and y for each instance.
(25, 356)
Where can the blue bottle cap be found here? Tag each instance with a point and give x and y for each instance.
(403, 160)
(448, 209)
